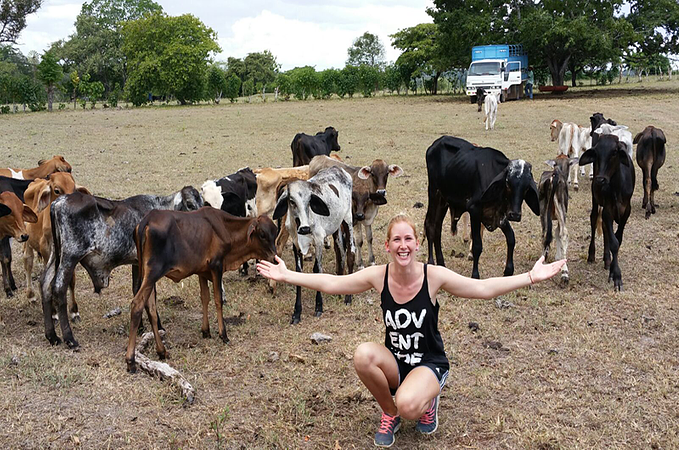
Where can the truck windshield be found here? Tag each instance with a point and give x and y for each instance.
(484, 68)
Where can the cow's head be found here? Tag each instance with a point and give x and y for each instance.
(596, 120)
(480, 97)
(13, 214)
(555, 129)
(511, 187)
(56, 164)
(261, 238)
(191, 199)
(378, 173)
(331, 135)
(561, 165)
(298, 199)
(49, 189)
(607, 155)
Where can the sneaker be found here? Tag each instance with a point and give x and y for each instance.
(388, 426)
(429, 421)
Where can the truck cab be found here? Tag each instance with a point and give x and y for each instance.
(498, 69)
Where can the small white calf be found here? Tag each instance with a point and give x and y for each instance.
(490, 110)
(574, 139)
(621, 132)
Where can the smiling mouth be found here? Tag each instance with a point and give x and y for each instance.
(403, 254)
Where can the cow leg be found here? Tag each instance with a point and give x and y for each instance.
(28, 270)
(613, 246)
(647, 189)
(371, 255)
(433, 222)
(350, 253)
(593, 218)
(591, 171)
(297, 313)
(151, 307)
(46, 294)
(244, 269)
(654, 187)
(470, 255)
(205, 301)
(62, 278)
(340, 256)
(281, 240)
(511, 242)
(562, 244)
(573, 175)
(607, 222)
(136, 282)
(219, 301)
(136, 308)
(358, 236)
(318, 268)
(6, 258)
(477, 245)
(466, 230)
(73, 310)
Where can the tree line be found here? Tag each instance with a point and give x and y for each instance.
(132, 49)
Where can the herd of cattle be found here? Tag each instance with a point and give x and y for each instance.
(174, 236)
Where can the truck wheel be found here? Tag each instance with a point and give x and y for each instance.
(503, 96)
(472, 99)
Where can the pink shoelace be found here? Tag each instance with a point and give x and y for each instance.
(428, 417)
(387, 423)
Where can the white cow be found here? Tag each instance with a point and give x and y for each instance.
(490, 110)
(621, 132)
(574, 139)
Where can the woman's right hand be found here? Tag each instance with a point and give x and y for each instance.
(272, 271)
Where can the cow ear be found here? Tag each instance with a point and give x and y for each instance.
(5, 210)
(532, 198)
(551, 163)
(378, 199)
(495, 189)
(318, 205)
(281, 206)
(587, 157)
(364, 172)
(637, 137)
(28, 215)
(44, 197)
(395, 171)
(83, 190)
(251, 229)
(622, 154)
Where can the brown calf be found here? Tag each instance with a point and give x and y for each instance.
(206, 242)
(650, 157)
(45, 167)
(39, 196)
(553, 196)
(555, 129)
(13, 214)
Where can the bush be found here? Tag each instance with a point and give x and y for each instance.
(4, 109)
(62, 106)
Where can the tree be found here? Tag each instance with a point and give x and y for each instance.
(261, 67)
(216, 83)
(13, 17)
(232, 87)
(392, 78)
(329, 79)
(49, 71)
(249, 89)
(168, 55)
(366, 49)
(305, 81)
(348, 82)
(96, 46)
(235, 66)
(369, 79)
(422, 53)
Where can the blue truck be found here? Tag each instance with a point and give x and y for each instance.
(499, 69)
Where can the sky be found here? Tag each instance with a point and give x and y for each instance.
(297, 32)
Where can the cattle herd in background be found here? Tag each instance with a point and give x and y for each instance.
(174, 236)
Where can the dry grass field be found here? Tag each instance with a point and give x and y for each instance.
(578, 367)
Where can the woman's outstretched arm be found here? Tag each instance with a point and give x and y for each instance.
(354, 283)
(461, 286)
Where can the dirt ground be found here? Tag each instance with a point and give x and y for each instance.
(576, 367)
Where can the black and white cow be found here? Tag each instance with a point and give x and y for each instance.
(315, 209)
(305, 147)
(612, 190)
(98, 234)
(596, 120)
(553, 194)
(234, 193)
(482, 181)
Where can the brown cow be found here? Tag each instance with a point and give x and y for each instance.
(13, 214)
(650, 157)
(45, 167)
(206, 242)
(39, 196)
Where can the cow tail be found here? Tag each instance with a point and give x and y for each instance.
(139, 232)
(548, 213)
(56, 238)
(600, 222)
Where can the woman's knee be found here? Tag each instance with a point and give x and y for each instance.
(365, 356)
(409, 404)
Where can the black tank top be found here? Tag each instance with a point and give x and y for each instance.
(412, 333)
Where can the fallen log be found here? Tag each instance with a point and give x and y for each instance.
(163, 370)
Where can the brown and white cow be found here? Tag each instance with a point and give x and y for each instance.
(45, 167)
(573, 140)
(39, 196)
(650, 157)
(553, 196)
(369, 190)
(206, 243)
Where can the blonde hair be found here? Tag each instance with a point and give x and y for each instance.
(398, 219)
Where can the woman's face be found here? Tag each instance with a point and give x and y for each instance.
(403, 244)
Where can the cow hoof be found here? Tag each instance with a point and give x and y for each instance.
(294, 321)
(590, 259)
(576, 187)
(361, 267)
(75, 317)
(54, 340)
(206, 335)
(132, 366)
(162, 355)
(470, 257)
(9, 293)
(72, 344)
(309, 257)
(225, 338)
(565, 279)
(347, 299)
(318, 313)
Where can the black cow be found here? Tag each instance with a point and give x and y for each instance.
(234, 193)
(98, 234)
(305, 147)
(612, 190)
(596, 120)
(650, 157)
(18, 187)
(480, 97)
(482, 181)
